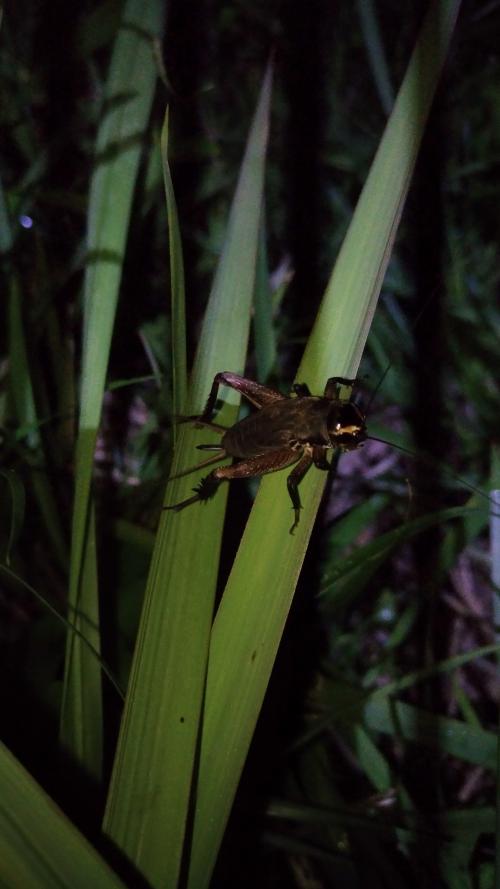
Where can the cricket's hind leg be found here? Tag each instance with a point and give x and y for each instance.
(253, 467)
(204, 491)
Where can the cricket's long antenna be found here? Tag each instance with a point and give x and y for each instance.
(69, 625)
(198, 422)
(391, 363)
(215, 459)
(377, 389)
(425, 458)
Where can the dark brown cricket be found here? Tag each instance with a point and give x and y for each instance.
(285, 430)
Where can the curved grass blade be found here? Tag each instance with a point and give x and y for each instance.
(179, 373)
(129, 94)
(21, 387)
(39, 846)
(250, 621)
(151, 786)
(350, 575)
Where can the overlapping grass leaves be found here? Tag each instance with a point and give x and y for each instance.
(250, 619)
(152, 780)
(128, 98)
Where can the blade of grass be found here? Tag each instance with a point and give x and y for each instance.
(129, 94)
(263, 327)
(446, 666)
(150, 789)
(38, 845)
(20, 379)
(347, 578)
(257, 598)
(64, 620)
(448, 736)
(375, 51)
(23, 400)
(343, 703)
(6, 239)
(179, 373)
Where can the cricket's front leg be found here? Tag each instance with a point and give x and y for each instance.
(205, 418)
(320, 459)
(334, 387)
(301, 390)
(293, 481)
(257, 394)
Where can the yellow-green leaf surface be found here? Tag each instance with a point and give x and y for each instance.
(39, 847)
(257, 598)
(152, 777)
(178, 321)
(128, 97)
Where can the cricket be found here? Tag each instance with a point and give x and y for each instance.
(296, 430)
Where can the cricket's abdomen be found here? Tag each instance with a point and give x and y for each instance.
(279, 425)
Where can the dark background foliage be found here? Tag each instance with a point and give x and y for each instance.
(437, 327)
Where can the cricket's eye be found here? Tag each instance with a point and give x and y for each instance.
(338, 427)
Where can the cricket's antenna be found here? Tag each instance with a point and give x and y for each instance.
(421, 311)
(377, 389)
(215, 459)
(424, 458)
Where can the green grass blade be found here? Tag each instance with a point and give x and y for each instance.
(20, 378)
(263, 325)
(129, 94)
(23, 400)
(348, 576)
(179, 373)
(6, 239)
(250, 620)
(448, 736)
(383, 713)
(39, 847)
(378, 62)
(237, 263)
(151, 784)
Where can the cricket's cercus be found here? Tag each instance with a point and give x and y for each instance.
(285, 430)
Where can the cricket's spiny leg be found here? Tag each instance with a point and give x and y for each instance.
(202, 492)
(254, 467)
(257, 466)
(293, 480)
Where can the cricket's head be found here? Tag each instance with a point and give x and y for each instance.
(346, 426)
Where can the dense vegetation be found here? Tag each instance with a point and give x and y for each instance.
(374, 756)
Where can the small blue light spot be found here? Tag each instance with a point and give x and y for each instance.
(26, 221)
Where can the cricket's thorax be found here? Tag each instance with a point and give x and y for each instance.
(346, 426)
(282, 424)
